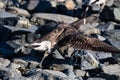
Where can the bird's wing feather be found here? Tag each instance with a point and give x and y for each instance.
(80, 41)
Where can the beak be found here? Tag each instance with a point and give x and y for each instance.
(33, 45)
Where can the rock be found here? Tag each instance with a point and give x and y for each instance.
(8, 18)
(95, 78)
(89, 29)
(23, 22)
(9, 73)
(112, 69)
(115, 43)
(107, 26)
(38, 6)
(2, 5)
(90, 59)
(79, 73)
(55, 17)
(4, 62)
(116, 12)
(39, 74)
(69, 4)
(112, 35)
(18, 11)
(117, 3)
(111, 72)
(110, 2)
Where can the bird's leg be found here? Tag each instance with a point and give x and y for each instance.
(44, 56)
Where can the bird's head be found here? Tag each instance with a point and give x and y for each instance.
(40, 46)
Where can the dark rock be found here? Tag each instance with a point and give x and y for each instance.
(39, 74)
(112, 35)
(104, 27)
(38, 6)
(8, 18)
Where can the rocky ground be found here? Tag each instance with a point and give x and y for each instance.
(24, 21)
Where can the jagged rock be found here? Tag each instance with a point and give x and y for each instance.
(39, 74)
(96, 78)
(4, 62)
(107, 26)
(89, 29)
(18, 11)
(112, 35)
(24, 22)
(112, 69)
(79, 73)
(111, 72)
(87, 62)
(116, 12)
(117, 3)
(55, 17)
(9, 73)
(8, 18)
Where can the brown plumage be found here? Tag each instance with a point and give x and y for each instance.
(67, 35)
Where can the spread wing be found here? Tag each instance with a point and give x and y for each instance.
(80, 41)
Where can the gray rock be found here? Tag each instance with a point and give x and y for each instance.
(90, 59)
(104, 27)
(9, 73)
(39, 74)
(110, 2)
(4, 14)
(55, 17)
(116, 12)
(96, 78)
(18, 11)
(8, 18)
(112, 69)
(4, 62)
(112, 35)
(79, 73)
(117, 3)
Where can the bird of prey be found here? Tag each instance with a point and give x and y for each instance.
(66, 35)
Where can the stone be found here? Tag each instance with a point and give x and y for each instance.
(112, 69)
(112, 35)
(4, 62)
(2, 5)
(95, 78)
(110, 3)
(79, 73)
(69, 4)
(38, 6)
(116, 12)
(107, 26)
(7, 18)
(18, 11)
(117, 3)
(89, 29)
(55, 17)
(39, 74)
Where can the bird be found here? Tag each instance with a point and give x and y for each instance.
(66, 35)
